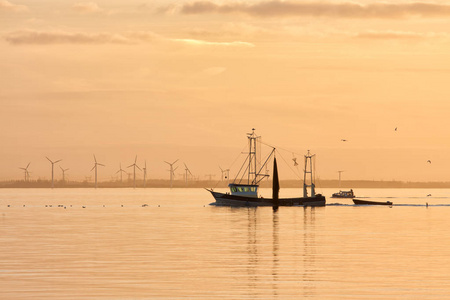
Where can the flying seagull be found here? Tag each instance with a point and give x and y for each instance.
(344, 140)
(395, 128)
(429, 161)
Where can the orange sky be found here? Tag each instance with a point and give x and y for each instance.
(187, 79)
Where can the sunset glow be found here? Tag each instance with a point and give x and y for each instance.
(167, 80)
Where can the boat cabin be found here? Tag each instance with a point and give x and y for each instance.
(344, 194)
(247, 190)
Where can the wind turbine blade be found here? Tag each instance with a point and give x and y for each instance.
(95, 159)
(49, 159)
(101, 165)
(61, 168)
(175, 169)
(167, 162)
(185, 166)
(28, 165)
(118, 171)
(23, 169)
(135, 160)
(138, 167)
(175, 161)
(58, 161)
(67, 169)
(130, 166)
(220, 169)
(93, 167)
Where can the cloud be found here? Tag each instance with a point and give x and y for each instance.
(61, 37)
(276, 8)
(10, 7)
(87, 7)
(206, 43)
(399, 35)
(23, 37)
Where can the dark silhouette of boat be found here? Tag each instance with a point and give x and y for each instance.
(344, 194)
(246, 194)
(366, 202)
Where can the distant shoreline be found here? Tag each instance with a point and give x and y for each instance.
(160, 183)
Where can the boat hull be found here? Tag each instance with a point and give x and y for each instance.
(365, 202)
(233, 200)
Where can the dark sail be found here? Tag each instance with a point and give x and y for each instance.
(275, 185)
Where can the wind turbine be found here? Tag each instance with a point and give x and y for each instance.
(187, 171)
(95, 167)
(121, 171)
(145, 172)
(340, 172)
(226, 172)
(64, 173)
(27, 174)
(53, 163)
(210, 176)
(134, 170)
(172, 171)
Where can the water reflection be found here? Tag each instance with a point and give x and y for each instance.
(252, 248)
(275, 250)
(309, 252)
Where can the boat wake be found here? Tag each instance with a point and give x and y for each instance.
(398, 205)
(399, 197)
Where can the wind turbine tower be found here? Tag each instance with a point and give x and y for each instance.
(188, 172)
(172, 171)
(145, 172)
(210, 176)
(225, 173)
(64, 173)
(340, 172)
(121, 171)
(95, 167)
(53, 163)
(27, 174)
(134, 170)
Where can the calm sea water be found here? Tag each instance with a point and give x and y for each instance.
(171, 244)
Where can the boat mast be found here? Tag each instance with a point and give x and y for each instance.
(308, 170)
(252, 161)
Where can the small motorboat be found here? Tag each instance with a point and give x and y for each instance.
(344, 194)
(366, 202)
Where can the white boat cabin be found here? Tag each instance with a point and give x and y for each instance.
(245, 190)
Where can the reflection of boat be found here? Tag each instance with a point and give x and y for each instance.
(246, 194)
(344, 194)
(366, 202)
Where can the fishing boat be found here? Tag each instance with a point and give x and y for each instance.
(245, 192)
(366, 202)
